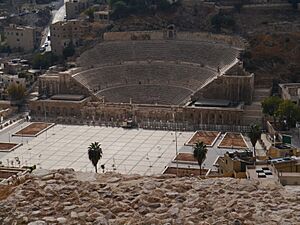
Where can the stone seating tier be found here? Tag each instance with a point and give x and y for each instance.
(146, 94)
(186, 76)
(209, 54)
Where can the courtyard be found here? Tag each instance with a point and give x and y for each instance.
(126, 151)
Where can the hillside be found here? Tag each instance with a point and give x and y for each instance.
(66, 197)
(274, 57)
(272, 34)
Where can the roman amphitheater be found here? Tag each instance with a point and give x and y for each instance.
(152, 76)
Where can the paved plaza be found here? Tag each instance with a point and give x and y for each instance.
(127, 151)
(124, 150)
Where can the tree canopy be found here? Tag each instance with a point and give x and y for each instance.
(69, 50)
(270, 105)
(254, 134)
(95, 153)
(16, 91)
(123, 8)
(199, 153)
(44, 61)
(286, 111)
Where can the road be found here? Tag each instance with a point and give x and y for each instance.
(58, 15)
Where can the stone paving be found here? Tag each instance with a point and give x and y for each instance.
(75, 198)
(126, 151)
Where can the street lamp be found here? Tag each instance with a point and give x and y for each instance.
(176, 135)
(298, 126)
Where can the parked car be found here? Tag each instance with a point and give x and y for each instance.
(42, 49)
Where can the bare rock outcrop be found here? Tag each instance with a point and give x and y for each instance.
(68, 197)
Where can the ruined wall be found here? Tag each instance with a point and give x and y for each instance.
(227, 87)
(164, 34)
(133, 35)
(204, 36)
(56, 108)
(99, 111)
(61, 83)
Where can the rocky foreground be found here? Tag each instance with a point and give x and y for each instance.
(67, 197)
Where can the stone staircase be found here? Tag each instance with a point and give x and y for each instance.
(253, 113)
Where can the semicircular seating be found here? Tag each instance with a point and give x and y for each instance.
(146, 94)
(186, 76)
(209, 54)
(153, 71)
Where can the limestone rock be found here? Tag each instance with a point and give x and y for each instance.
(38, 222)
(67, 197)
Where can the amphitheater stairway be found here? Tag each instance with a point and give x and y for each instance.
(253, 113)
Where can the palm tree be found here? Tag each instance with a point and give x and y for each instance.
(95, 153)
(254, 135)
(200, 151)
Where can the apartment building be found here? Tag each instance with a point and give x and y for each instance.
(21, 37)
(64, 32)
(102, 17)
(75, 7)
(290, 91)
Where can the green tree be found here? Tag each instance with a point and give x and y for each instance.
(289, 112)
(199, 153)
(120, 9)
(16, 91)
(90, 13)
(95, 153)
(220, 21)
(294, 3)
(44, 61)
(254, 135)
(69, 50)
(270, 106)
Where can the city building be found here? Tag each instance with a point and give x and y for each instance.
(6, 80)
(282, 150)
(102, 16)
(65, 32)
(233, 164)
(21, 37)
(290, 91)
(75, 7)
(282, 170)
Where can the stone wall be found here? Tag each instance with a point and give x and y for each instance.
(228, 87)
(61, 83)
(67, 197)
(56, 108)
(133, 35)
(159, 35)
(204, 36)
(98, 111)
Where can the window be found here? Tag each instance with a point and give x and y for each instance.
(18, 39)
(226, 161)
(17, 33)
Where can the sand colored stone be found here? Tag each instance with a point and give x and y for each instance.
(133, 199)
